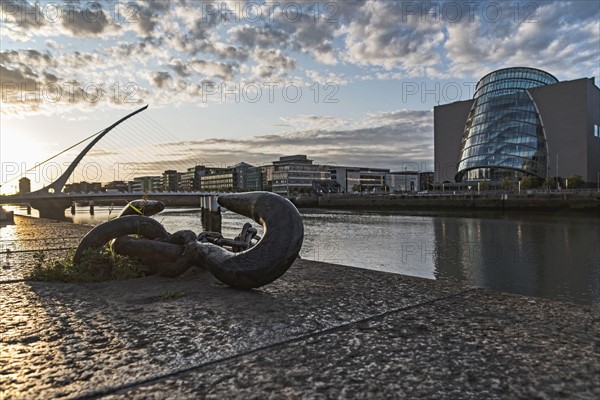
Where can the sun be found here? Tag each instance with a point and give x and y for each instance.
(19, 151)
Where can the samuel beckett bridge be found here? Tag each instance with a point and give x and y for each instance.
(51, 201)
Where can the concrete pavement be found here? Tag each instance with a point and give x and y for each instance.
(320, 331)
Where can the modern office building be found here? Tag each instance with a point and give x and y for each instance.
(171, 180)
(247, 177)
(358, 179)
(190, 179)
(297, 174)
(266, 172)
(403, 181)
(521, 121)
(146, 184)
(218, 180)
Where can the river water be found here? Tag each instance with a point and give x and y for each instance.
(555, 256)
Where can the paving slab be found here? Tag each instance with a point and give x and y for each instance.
(79, 339)
(475, 345)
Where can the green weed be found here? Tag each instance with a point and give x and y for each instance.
(95, 266)
(170, 295)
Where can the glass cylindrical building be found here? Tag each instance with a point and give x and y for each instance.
(504, 137)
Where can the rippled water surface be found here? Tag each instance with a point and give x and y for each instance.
(546, 255)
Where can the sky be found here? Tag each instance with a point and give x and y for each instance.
(346, 82)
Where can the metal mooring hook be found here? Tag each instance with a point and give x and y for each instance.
(246, 261)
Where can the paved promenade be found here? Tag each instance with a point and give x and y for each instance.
(321, 331)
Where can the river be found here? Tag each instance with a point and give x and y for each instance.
(554, 256)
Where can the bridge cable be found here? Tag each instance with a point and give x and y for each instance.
(54, 156)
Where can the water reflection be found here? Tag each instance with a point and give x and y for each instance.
(544, 255)
(537, 255)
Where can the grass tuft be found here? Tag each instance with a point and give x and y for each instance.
(171, 294)
(95, 266)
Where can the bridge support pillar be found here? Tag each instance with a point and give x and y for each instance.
(51, 208)
(211, 221)
(211, 213)
(28, 209)
(73, 209)
(91, 207)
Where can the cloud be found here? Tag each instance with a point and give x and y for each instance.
(273, 63)
(385, 140)
(262, 37)
(211, 69)
(160, 79)
(557, 37)
(382, 35)
(169, 48)
(90, 20)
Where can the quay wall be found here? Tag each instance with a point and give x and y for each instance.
(451, 202)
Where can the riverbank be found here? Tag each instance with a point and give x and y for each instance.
(320, 331)
(452, 202)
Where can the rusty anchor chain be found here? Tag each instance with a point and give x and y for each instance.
(246, 261)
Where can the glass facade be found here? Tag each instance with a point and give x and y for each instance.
(504, 137)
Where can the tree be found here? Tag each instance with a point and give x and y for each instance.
(506, 184)
(576, 181)
(549, 182)
(484, 185)
(357, 188)
(527, 182)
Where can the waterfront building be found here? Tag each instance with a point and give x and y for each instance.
(426, 180)
(83, 187)
(297, 174)
(246, 177)
(267, 177)
(240, 177)
(218, 180)
(358, 179)
(190, 180)
(116, 186)
(24, 185)
(147, 184)
(171, 180)
(403, 181)
(520, 122)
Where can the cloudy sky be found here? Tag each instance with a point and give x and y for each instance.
(346, 82)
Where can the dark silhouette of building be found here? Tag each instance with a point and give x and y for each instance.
(24, 185)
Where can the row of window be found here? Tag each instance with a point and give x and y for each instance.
(501, 117)
(311, 167)
(514, 84)
(509, 128)
(499, 148)
(514, 101)
(504, 104)
(494, 174)
(500, 140)
(517, 73)
(535, 165)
